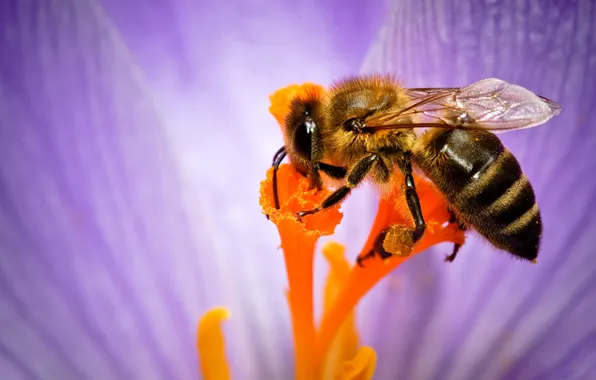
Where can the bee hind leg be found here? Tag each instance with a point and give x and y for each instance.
(376, 250)
(451, 257)
(456, 246)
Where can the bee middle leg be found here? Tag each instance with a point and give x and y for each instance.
(357, 174)
(413, 202)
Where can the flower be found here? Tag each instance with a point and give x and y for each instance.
(345, 286)
(133, 134)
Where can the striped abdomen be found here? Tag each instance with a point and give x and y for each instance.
(486, 188)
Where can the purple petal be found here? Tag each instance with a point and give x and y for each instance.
(134, 136)
(487, 316)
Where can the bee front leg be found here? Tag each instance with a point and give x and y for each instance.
(277, 159)
(316, 153)
(354, 178)
(332, 171)
(337, 172)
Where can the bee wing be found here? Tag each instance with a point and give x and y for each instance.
(489, 104)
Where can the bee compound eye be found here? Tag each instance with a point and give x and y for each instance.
(302, 143)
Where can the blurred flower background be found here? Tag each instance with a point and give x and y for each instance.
(134, 135)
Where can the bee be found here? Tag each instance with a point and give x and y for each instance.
(373, 125)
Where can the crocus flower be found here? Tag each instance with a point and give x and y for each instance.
(135, 136)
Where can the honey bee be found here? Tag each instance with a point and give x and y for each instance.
(373, 125)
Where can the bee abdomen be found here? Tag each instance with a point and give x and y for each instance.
(500, 204)
(515, 202)
(486, 187)
(521, 238)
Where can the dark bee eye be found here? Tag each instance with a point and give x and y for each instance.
(303, 137)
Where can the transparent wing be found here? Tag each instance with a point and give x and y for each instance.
(490, 104)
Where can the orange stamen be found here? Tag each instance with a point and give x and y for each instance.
(298, 239)
(362, 367)
(361, 280)
(314, 354)
(345, 286)
(345, 345)
(298, 243)
(211, 345)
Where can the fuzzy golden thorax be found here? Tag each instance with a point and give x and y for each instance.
(354, 103)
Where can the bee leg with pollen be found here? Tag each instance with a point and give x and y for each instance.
(456, 246)
(357, 174)
(376, 250)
